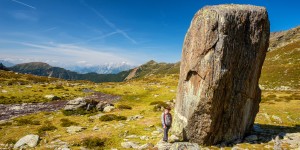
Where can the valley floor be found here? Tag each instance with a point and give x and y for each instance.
(279, 115)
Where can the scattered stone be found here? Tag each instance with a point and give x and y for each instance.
(136, 117)
(108, 108)
(184, 146)
(75, 104)
(144, 137)
(155, 133)
(30, 140)
(102, 104)
(74, 129)
(58, 145)
(172, 91)
(130, 144)
(145, 146)
(237, 148)
(119, 125)
(96, 116)
(95, 128)
(173, 138)
(28, 86)
(267, 117)
(251, 138)
(132, 136)
(277, 119)
(224, 48)
(161, 145)
(4, 91)
(52, 97)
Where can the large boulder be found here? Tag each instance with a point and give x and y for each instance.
(30, 140)
(218, 94)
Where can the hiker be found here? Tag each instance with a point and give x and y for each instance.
(166, 120)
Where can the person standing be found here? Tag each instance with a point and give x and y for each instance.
(166, 120)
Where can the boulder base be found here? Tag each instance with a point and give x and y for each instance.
(218, 94)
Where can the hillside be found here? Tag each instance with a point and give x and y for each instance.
(154, 68)
(281, 69)
(43, 69)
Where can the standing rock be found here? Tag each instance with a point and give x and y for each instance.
(30, 140)
(218, 94)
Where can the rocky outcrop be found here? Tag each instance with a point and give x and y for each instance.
(75, 104)
(218, 95)
(30, 140)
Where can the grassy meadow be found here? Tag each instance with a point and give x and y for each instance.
(138, 94)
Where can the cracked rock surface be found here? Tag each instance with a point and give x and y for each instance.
(218, 94)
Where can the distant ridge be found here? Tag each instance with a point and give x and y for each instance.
(44, 69)
(2, 67)
(281, 68)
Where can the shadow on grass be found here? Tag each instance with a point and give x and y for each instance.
(267, 133)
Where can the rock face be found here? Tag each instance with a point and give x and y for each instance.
(218, 94)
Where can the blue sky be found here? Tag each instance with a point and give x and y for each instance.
(92, 32)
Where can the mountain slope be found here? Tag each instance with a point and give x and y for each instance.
(154, 68)
(281, 69)
(43, 69)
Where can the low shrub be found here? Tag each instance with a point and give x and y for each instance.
(42, 130)
(122, 106)
(66, 122)
(93, 143)
(79, 111)
(111, 117)
(6, 124)
(21, 122)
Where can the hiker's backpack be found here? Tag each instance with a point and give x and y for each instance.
(168, 119)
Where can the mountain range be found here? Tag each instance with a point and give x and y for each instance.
(281, 69)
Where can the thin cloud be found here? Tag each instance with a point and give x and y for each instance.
(64, 54)
(110, 24)
(50, 29)
(24, 4)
